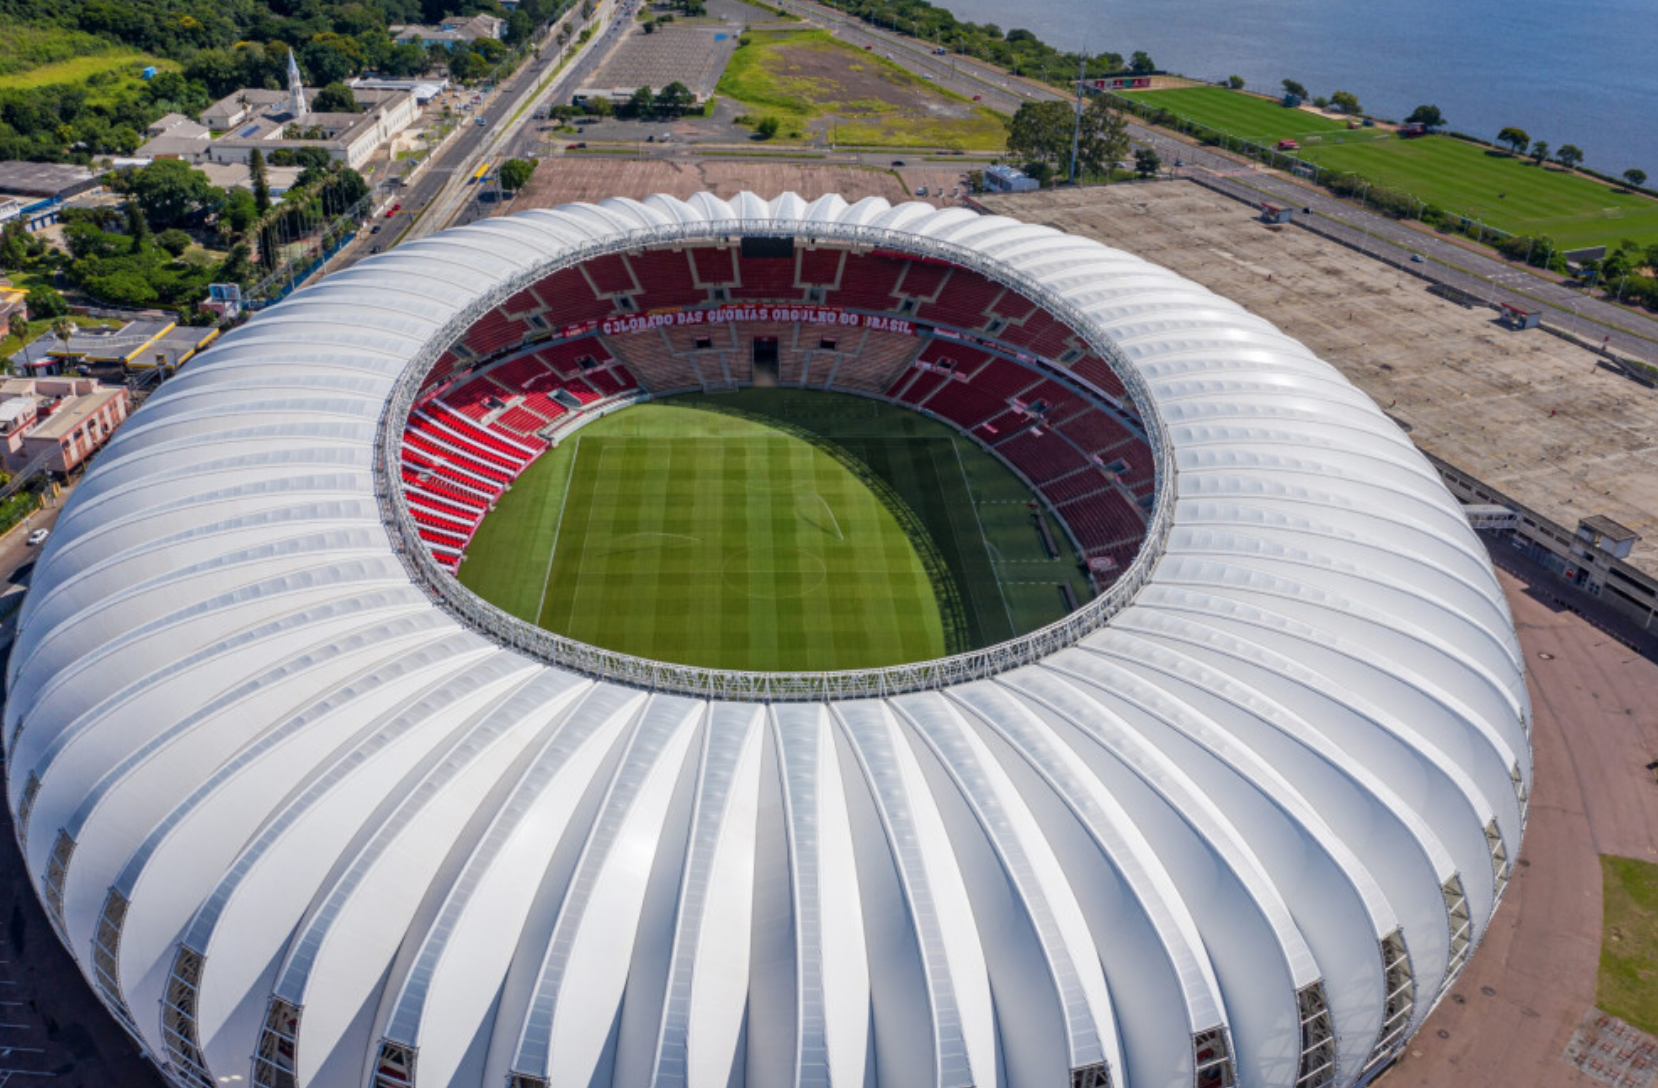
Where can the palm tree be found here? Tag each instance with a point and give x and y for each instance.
(63, 329)
(18, 326)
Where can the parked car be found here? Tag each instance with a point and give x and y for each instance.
(978, 97)
(39, 536)
(922, 191)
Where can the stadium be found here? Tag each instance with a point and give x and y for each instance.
(330, 772)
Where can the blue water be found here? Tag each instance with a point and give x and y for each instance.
(1583, 73)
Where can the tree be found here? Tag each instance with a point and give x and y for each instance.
(1636, 178)
(170, 192)
(1346, 102)
(674, 99)
(138, 230)
(1539, 152)
(1428, 117)
(648, 26)
(1235, 82)
(261, 184)
(1146, 162)
(1516, 138)
(1101, 143)
(1292, 87)
(1569, 155)
(767, 127)
(174, 241)
(44, 302)
(642, 104)
(1141, 63)
(63, 329)
(335, 98)
(1040, 132)
(18, 326)
(515, 173)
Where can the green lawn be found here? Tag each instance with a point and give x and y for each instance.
(79, 69)
(810, 80)
(770, 529)
(1250, 116)
(1628, 983)
(1463, 178)
(1507, 193)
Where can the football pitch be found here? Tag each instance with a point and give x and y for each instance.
(1510, 193)
(771, 529)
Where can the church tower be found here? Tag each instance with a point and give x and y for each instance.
(296, 90)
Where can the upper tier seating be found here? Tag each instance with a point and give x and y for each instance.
(668, 280)
(867, 283)
(963, 301)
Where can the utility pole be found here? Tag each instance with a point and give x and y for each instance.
(1076, 129)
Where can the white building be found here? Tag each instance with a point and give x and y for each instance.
(254, 118)
(308, 814)
(1008, 179)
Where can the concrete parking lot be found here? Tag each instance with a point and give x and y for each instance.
(1532, 414)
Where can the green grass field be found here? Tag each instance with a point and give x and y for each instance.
(1249, 116)
(1628, 983)
(809, 79)
(80, 69)
(770, 529)
(1510, 194)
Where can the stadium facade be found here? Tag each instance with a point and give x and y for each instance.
(306, 815)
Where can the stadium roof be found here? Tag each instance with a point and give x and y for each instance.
(290, 813)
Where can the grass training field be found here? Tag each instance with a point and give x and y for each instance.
(1463, 178)
(1628, 983)
(809, 79)
(1249, 116)
(771, 529)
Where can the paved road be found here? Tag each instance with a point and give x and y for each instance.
(440, 197)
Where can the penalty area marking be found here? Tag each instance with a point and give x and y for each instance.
(558, 527)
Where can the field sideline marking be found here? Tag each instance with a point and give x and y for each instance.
(983, 539)
(558, 527)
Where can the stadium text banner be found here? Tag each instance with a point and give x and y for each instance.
(720, 315)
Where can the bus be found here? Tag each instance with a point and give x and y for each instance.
(478, 175)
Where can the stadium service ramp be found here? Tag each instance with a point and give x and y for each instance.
(301, 825)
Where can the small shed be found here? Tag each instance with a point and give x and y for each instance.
(1276, 213)
(1516, 317)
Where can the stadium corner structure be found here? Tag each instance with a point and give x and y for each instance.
(307, 813)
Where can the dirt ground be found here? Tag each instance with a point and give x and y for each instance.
(854, 97)
(1532, 980)
(572, 178)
